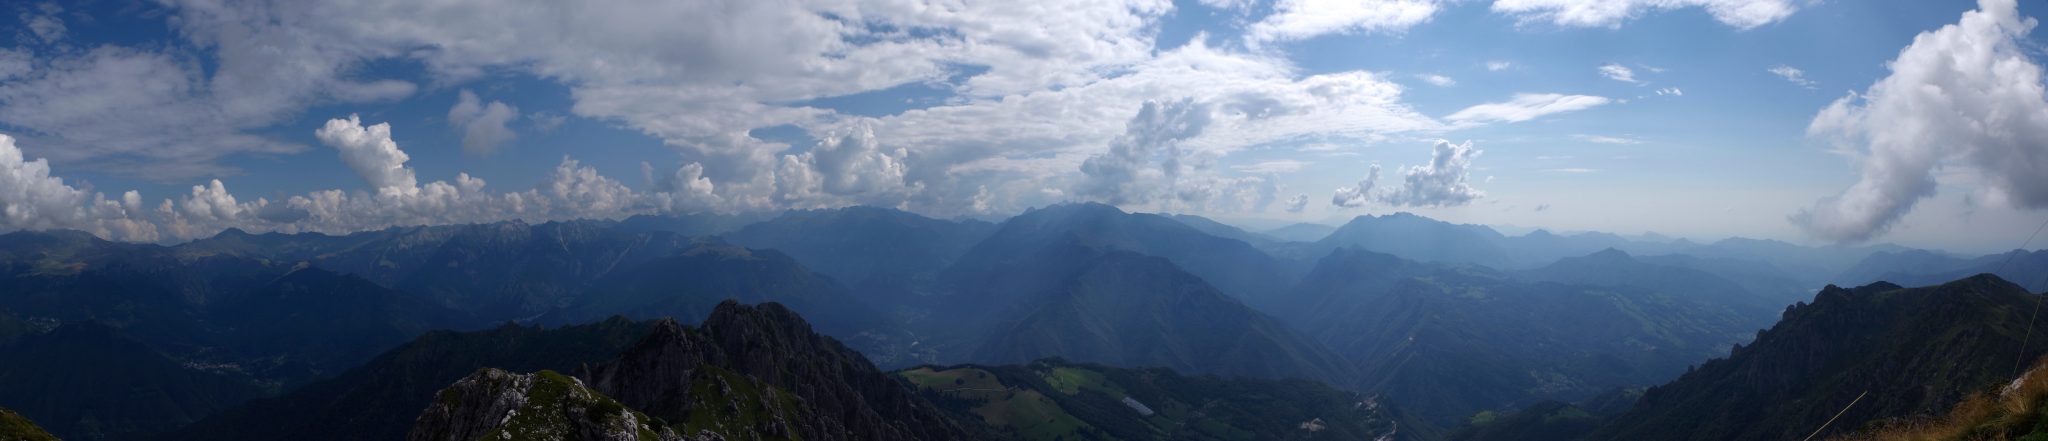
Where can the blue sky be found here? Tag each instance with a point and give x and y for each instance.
(1625, 116)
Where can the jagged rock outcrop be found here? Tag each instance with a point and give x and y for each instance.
(492, 404)
(749, 373)
(761, 371)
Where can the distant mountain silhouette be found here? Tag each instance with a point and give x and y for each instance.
(1449, 341)
(1219, 229)
(878, 251)
(1228, 264)
(2029, 269)
(1420, 238)
(1125, 309)
(1301, 232)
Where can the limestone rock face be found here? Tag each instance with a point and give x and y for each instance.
(497, 405)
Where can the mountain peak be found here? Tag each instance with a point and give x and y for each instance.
(768, 320)
(1080, 209)
(1611, 254)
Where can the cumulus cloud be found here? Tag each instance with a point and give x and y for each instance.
(1358, 195)
(1499, 65)
(1741, 14)
(1297, 203)
(1437, 80)
(32, 199)
(1618, 72)
(482, 125)
(849, 167)
(1053, 84)
(1793, 75)
(684, 190)
(1526, 106)
(1965, 95)
(698, 76)
(1443, 182)
(571, 190)
(1125, 174)
(371, 153)
(1304, 19)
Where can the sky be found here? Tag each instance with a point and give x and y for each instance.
(1914, 122)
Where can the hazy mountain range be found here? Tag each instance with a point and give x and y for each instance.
(1431, 323)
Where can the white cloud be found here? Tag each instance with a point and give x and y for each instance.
(1233, 5)
(32, 199)
(1499, 65)
(1965, 95)
(1297, 203)
(371, 153)
(145, 113)
(1273, 166)
(1603, 139)
(1017, 145)
(699, 76)
(1741, 14)
(570, 191)
(1793, 75)
(1303, 19)
(1524, 107)
(1124, 174)
(844, 168)
(1061, 80)
(1437, 80)
(482, 125)
(1443, 182)
(1618, 72)
(1357, 195)
(1670, 91)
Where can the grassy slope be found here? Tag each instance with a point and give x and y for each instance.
(2018, 411)
(14, 427)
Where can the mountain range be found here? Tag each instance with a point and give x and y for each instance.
(1450, 341)
(1436, 324)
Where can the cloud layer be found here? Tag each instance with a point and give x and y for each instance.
(1046, 101)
